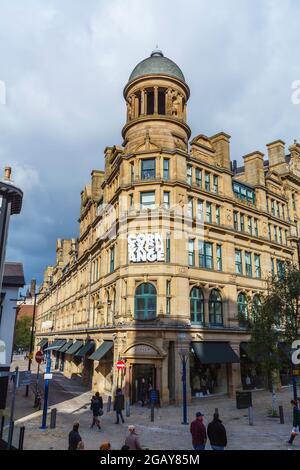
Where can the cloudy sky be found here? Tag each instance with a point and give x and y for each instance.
(65, 63)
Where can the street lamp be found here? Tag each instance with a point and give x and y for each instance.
(30, 357)
(184, 356)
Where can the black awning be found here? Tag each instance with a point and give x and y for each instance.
(87, 348)
(74, 347)
(101, 351)
(43, 343)
(214, 353)
(66, 346)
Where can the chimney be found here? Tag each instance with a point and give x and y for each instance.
(254, 168)
(7, 173)
(221, 144)
(276, 153)
(32, 287)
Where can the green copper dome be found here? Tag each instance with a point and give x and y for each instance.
(157, 64)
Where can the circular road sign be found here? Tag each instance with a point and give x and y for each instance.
(39, 356)
(120, 365)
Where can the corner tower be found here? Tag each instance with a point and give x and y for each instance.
(156, 97)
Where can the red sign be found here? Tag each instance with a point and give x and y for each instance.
(120, 365)
(39, 356)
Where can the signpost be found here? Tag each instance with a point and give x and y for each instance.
(47, 378)
(120, 365)
(39, 357)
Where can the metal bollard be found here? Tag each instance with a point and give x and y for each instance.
(108, 404)
(21, 438)
(281, 415)
(152, 411)
(53, 418)
(2, 426)
(250, 415)
(127, 408)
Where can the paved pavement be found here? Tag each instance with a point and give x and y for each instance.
(166, 432)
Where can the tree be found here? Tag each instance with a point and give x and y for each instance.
(23, 333)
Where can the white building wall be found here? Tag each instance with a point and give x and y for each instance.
(7, 324)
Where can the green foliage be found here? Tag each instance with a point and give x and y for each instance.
(23, 333)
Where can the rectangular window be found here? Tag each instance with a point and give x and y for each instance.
(148, 200)
(238, 262)
(166, 200)
(205, 255)
(243, 192)
(132, 171)
(112, 259)
(280, 236)
(280, 267)
(218, 215)
(273, 266)
(166, 168)
(257, 266)
(242, 223)
(207, 181)
(200, 210)
(250, 225)
(219, 257)
(216, 184)
(273, 207)
(275, 234)
(191, 252)
(248, 263)
(130, 200)
(208, 213)
(278, 210)
(168, 248)
(256, 227)
(189, 174)
(148, 169)
(199, 177)
(283, 211)
(286, 237)
(190, 206)
(269, 232)
(168, 297)
(236, 220)
(294, 201)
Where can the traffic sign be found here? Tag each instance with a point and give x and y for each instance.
(39, 356)
(24, 378)
(120, 365)
(48, 376)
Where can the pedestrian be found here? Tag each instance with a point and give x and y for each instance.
(296, 420)
(132, 440)
(97, 409)
(74, 437)
(105, 446)
(198, 431)
(125, 447)
(143, 391)
(217, 433)
(119, 405)
(80, 445)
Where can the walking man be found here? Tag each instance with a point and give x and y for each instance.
(198, 431)
(119, 405)
(97, 409)
(296, 420)
(217, 434)
(74, 437)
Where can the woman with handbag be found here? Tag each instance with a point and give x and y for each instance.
(97, 409)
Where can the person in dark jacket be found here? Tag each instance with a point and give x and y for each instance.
(119, 405)
(74, 437)
(296, 420)
(143, 391)
(97, 409)
(198, 431)
(217, 434)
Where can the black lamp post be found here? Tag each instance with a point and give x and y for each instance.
(184, 356)
(31, 339)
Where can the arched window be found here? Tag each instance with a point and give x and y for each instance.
(197, 305)
(215, 308)
(145, 302)
(242, 307)
(256, 304)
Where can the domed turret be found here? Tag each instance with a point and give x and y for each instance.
(156, 96)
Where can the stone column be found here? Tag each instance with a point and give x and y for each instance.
(155, 99)
(143, 102)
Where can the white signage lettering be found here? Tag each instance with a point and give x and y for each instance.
(145, 247)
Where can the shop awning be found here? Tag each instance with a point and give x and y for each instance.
(101, 351)
(74, 347)
(87, 348)
(43, 343)
(66, 346)
(56, 345)
(214, 353)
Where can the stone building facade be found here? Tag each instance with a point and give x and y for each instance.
(173, 240)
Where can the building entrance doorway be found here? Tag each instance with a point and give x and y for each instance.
(143, 381)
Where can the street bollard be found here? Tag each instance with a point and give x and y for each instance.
(152, 411)
(2, 426)
(108, 404)
(53, 418)
(127, 408)
(281, 415)
(216, 411)
(250, 415)
(21, 438)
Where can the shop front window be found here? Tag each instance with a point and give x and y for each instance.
(207, 379)
(145, 302)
